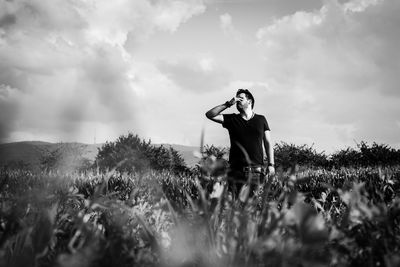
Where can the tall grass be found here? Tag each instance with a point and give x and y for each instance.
(347, 217)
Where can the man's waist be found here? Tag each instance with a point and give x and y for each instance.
(251, 168)
(255, 169)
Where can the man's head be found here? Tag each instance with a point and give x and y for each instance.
(244, 96)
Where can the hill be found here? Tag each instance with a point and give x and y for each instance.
(31, 152)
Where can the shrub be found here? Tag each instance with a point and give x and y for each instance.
(378, 154)
(345, 157)
(213, 161)
(130, 153)
(65, 158)
(289, 155)
(366, 155)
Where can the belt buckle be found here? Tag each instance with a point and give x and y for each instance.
(247, 169)
(257, 169)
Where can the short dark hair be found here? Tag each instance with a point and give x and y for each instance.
(248, 95)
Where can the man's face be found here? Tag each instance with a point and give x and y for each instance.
(242, 102)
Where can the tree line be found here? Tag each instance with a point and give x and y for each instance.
(363, 155)
(289, 155)
(130, 153)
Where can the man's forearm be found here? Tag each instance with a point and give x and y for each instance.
(270, 155)
(269, 148)
(216, 110)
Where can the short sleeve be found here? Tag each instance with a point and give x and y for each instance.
(227, 120)
(266, 126)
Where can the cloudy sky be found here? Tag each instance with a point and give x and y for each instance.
(322, 72)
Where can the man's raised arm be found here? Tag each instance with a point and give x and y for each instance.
(214, 114)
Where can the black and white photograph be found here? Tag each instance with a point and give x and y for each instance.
(199, 133)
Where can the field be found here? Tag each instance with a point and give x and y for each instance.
(312, 217)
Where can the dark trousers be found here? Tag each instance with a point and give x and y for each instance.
(237, 178)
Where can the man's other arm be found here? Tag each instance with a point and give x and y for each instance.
(269, 150)
(214, 114)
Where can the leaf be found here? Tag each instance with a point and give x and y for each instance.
(311, 225)
(20, 253)
(42, 232)
(392, 260)
(218, 188)
(244, 193)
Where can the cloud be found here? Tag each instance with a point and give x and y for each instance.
(195, 75)
(8, 109)
(228, 28)
(226, 22)
(170, 14)
(338, 45)
(70, 62)
(345, 61)
(131, 23)
(7, 20)
(276, 7)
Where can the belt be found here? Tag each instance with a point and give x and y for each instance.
(256, 169)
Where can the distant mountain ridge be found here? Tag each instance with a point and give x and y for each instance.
(31, 152)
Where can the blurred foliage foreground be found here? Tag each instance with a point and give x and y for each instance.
(347, 217)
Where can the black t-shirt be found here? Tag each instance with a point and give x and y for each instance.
(247, 135)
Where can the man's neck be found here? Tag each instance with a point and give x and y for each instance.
(247, 114)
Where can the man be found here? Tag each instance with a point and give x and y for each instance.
(247, 132)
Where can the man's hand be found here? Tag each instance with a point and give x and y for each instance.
(271, 170)
(231, 102)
